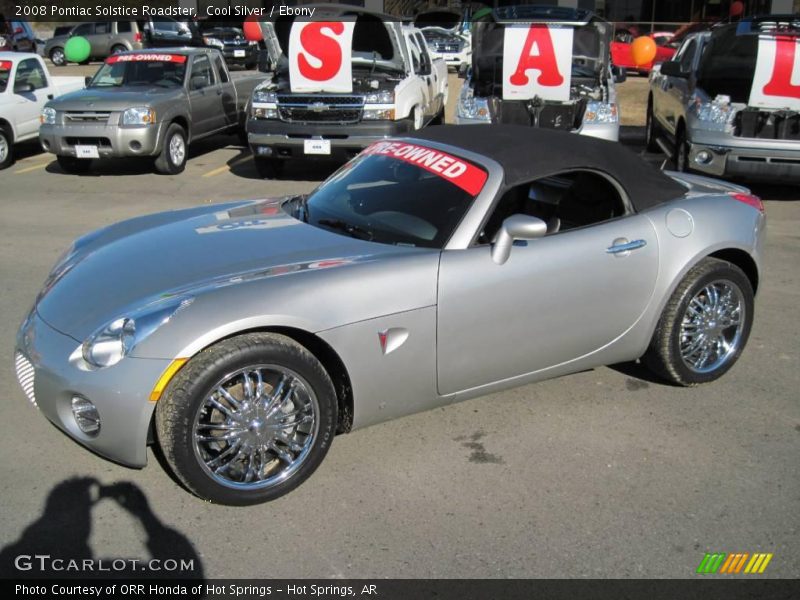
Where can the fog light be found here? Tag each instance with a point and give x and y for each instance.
(135, 145)
(703, 157)
(263, 150)
(86, 415)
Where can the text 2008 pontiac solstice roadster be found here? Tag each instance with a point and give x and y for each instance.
(242, 337)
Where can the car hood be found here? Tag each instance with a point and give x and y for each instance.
(114, 271)
(590, 42)
(117, 98)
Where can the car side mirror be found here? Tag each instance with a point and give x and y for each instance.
(672, 68)
(87, 80)
(516, 227)
(198, 82)
(23, 87)
(463, 69)
(620, 74)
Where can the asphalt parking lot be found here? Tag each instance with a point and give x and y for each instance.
(607, 473)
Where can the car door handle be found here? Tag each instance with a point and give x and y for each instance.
(622, 245)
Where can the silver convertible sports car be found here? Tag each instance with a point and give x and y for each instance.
(241, 338)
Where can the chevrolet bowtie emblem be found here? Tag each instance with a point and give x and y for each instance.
(318, 107)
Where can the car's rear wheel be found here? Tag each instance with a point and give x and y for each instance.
(248, 419)
(172, 159)
(57, 57)
(116, 49)
(71, 164)
(704, 326)
(6, 149)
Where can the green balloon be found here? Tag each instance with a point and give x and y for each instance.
(77, 49)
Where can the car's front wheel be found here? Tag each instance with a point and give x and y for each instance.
(6, 149)
(248, 419)
(57, 57)
(704, 326)
(651, 129)
(172, 159)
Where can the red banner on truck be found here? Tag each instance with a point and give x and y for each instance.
(146, 57)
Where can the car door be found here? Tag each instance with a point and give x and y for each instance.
(677, 89)
(85, 30)
(204, 97)
(100, 40)
(228, 92)
(556, 299)
(428, 75)
(29, 103)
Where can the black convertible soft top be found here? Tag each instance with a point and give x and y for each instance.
(527, 153)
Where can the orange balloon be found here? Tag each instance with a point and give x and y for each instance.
(643, 50)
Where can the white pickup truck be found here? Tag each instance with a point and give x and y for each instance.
(344, 80)
(25, 86)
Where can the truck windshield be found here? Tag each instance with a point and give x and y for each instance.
(728, 65)
(394, 193)
(161, 73)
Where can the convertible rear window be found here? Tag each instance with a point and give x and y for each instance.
(394, 193)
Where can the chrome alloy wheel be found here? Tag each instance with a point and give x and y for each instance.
(712, 326)
(256, 427)
(177, 149)
(58, 57)
(3, 148)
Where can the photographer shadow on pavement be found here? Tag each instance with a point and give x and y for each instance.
(62, 533)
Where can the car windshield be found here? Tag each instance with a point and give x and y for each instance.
(728, 65)
(394, 193)
(5, 73)
(117, 72)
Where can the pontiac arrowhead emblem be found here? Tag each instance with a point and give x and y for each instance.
(391, 339)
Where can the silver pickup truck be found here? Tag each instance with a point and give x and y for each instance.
(727, 104)
(146, 103)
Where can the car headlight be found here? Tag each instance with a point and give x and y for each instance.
(382, 97)
(258, 112)
(378, 114)
(714, 115)
(470, 107)
(213, 42)
(114, 341)
(601, 112)
(139, 115)
(48, 116)
(265, 97)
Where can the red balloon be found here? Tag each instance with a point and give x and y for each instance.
(737, 8)
(643, 50)
(252, 30)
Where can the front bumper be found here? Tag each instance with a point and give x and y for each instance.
(112, 141)
(748, 158)
(120, 393)
(604, 131)
(286, 140)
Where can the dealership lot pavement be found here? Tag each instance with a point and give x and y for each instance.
(607, 473)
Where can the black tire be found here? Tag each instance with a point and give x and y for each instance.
(251, 65)
(57, 57)
(185, 398)
(652, 130)
(439, 118)
(169, 162)
(269, 168)
(681, 150)
(117, 48)
(6, 149)
(663, 357)
(76, 166)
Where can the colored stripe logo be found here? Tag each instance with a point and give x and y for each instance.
(734, 563)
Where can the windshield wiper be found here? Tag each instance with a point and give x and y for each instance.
(351, 230)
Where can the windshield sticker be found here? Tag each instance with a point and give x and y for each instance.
(146, 57)
(5, 65)
(320, 56)
(462, 174)
(776, 82)
(537, 61)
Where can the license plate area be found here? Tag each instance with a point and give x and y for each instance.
(238, 53)
(317, 146)
(85, 151)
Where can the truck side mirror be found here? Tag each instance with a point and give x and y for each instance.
(672, 68)
(516, 227)
(87, 80)
(264, 61)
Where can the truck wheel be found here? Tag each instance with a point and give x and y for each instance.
(651, 129)
(248, 419)
(77, 166)
(681, 151)
(6, 150)
(172, 159)
(57, 57)
(419, 118)
(269, 168)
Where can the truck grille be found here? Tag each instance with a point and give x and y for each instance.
(320, 109)
(86, 116)
(447, 47)
(25, 376)
(767, 125)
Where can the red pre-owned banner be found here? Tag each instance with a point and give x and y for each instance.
(5, 65)
(459, 172)
(146, 57)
